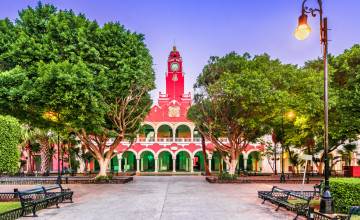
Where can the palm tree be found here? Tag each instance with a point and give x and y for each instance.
(85, 156)
(69, 148)
(25, 142)
(217, 155)
(347, 151)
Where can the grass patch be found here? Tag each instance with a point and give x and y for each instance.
(355, 217)
(312, 202)
(7, 206)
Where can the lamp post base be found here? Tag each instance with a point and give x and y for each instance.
(282, 178)
(58, 180)
(326, 203)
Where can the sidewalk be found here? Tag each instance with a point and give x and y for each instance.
(167, 197)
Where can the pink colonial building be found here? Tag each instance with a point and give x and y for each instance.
(170, 142)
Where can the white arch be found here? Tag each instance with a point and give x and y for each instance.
(191, 127)
(146, 149)
(132, 150)
(150, 124)
(207, 153)
(165, 149)
(246, 154)
(186, 150)
(164, 123)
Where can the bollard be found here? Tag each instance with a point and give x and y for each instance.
(15, 193)
(66, 180)
(307, 180)
(311, 215)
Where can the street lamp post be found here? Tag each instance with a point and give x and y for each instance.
(282, 177)
(59, 174)
(51, 115)
(289, 114)
(302, 32)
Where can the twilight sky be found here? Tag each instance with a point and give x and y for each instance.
(204, 28)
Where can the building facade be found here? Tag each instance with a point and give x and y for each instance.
(170, 142)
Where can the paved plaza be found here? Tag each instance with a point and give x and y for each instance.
(166, 197)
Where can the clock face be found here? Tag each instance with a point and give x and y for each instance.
(174, 66)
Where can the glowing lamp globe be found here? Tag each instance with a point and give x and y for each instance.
(303, 29)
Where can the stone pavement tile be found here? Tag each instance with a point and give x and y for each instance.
(168, 197)
(220, 216)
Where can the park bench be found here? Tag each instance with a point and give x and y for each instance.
(63, 194)
(39, 195)
(354, 210)
(35, 197)
(282, 197)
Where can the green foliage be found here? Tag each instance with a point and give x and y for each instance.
(345, 193)
(104, 179)
(237, 96)
(9, 144)
(93, 79)
(227, 176)
(55, 60)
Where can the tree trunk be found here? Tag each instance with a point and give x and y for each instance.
(232, 167)
(207, 171)
(103, 163)
(29, 169)
(220, 167)
(45, 155)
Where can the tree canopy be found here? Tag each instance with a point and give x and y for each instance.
(93, 80)
(236, 97)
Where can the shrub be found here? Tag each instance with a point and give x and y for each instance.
(9, 141)
(226, 176)
(345, 193)
(104, 179)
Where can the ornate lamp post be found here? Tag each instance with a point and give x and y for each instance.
(302, 32)
(289, 114)
(50, 115)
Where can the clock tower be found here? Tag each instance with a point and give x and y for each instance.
(174, 76)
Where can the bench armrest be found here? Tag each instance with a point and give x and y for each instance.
(301, 206)
(66, 190)
(50, 194)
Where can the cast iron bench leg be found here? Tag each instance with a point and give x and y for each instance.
(34, 210)
(297, 214)
(263, 201)
(278, 207)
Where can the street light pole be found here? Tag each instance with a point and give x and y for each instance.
(303, 30)
(59, 174)
(282, 177)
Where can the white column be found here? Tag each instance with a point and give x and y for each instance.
(209, 164)
(142, 165)
(192, 165)
(120, 164)
(174, 134)
(137, 165)
(125, 167)
(174, 166)
(245, 163)
(187, 164)
(155, 137)
(156, 164)
(192, 135)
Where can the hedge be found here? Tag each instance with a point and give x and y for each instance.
(345, 193)
(9, 142)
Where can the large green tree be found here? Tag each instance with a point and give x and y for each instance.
(61, 71)
(236, 97)
(9, 144)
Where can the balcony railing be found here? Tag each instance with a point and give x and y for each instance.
(171, 140)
